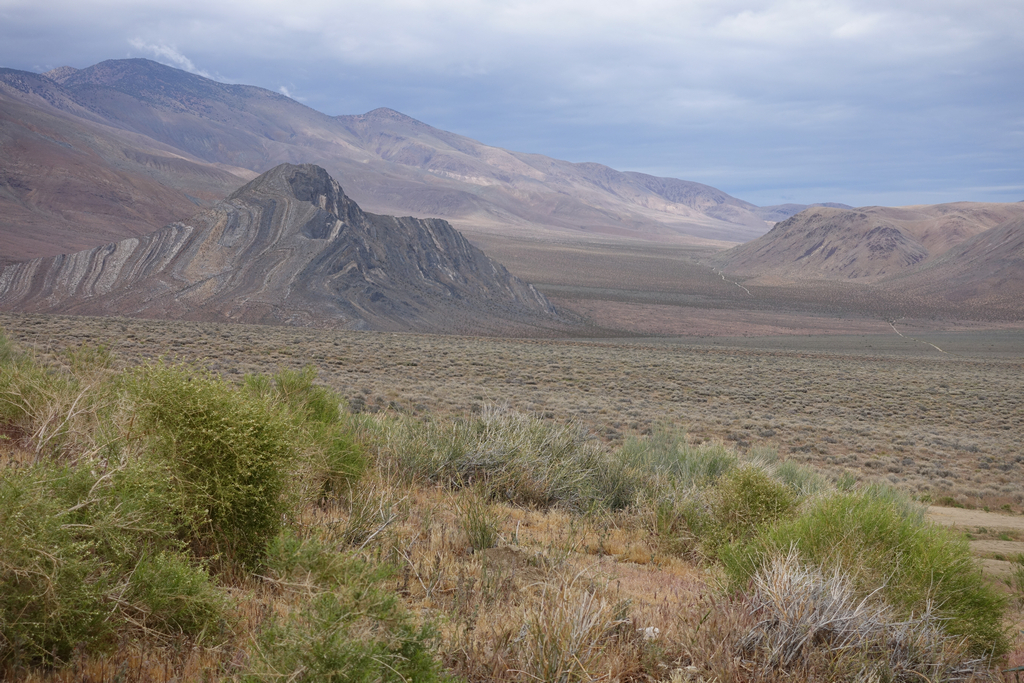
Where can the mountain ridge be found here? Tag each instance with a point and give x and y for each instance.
(390, 163)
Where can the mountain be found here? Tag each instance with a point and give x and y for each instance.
(986, 271)
(68, 181)
(867, 244)
(158, 137)
(289, 248)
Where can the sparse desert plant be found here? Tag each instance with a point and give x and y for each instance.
(819, 626)
(227, 453)
(512, 456)
(667, 453)
(479, 523)
(1015, 580)
(677, 522)
(882, 543)
(565, 633)
(372, 509)
(804, 480)
(54, 411)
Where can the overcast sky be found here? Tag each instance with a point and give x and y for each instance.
(864, 102)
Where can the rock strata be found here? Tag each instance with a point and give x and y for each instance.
(290, 248)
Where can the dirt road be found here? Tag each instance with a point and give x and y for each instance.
(978, 522)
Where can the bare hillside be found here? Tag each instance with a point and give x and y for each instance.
(865, 244)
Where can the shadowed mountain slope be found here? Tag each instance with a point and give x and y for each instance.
(290, 248)
(985, 271)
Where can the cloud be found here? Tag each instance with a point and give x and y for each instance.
(168, 55)
(797, 93)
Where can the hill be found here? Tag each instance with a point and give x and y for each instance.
(985, 271)
(867, 244)
(289, 248)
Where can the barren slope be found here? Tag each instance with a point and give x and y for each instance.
(868, 244)
(68, 182)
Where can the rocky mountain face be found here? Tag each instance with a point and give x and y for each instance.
(868, 244)
(290, 248)
(156, 138)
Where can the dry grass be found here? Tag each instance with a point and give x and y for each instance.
(929, 424)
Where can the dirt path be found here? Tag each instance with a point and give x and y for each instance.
(993, 523)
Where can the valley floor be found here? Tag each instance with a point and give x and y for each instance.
(877, 407)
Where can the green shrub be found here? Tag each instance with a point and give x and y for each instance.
(334, 460)
(356, 633)
(52, 585)
(314, 403)
(227, 453)
(882, 542)
(170, 594)
(745, 500)
(736, 506)
(88, 551)
(295, 559)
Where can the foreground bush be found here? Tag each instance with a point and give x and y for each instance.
(881, 543)
(226, 453)
(347, 629)
(511, 456)
(86, 553)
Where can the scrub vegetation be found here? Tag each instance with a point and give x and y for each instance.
(160, 521)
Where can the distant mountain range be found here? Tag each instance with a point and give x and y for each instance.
(125, 146)
(290, 248)
(109, 154)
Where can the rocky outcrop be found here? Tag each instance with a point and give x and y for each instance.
(289, 248)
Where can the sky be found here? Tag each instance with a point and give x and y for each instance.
(865, 102)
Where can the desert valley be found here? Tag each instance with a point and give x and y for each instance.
(290, 396)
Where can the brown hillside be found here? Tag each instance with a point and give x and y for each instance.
(866, 244)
